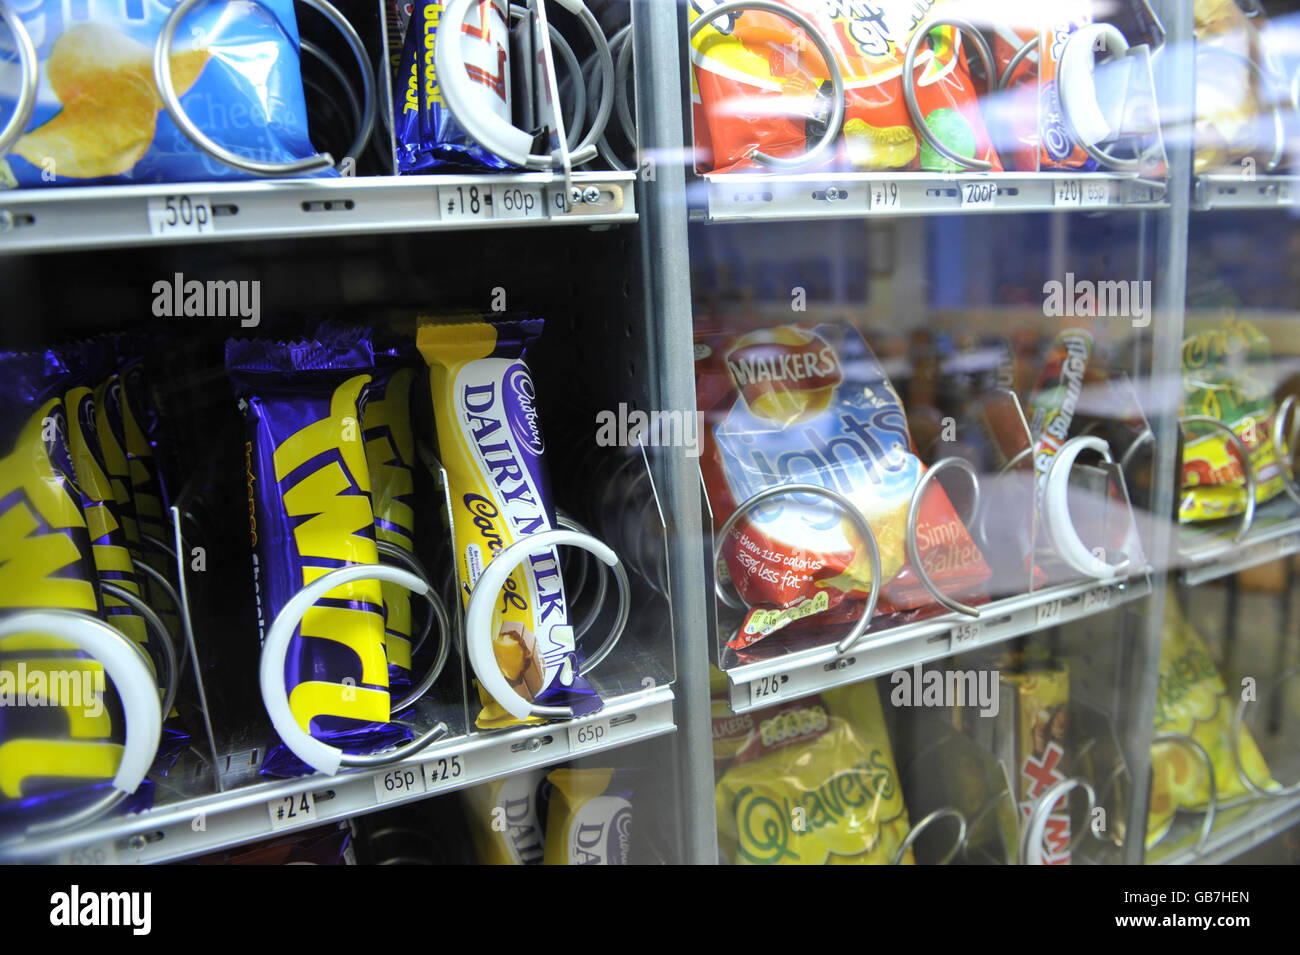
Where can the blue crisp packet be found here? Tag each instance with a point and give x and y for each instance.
(428, 136)
(99, 117)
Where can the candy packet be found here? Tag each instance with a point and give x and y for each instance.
(590, 818)
(490, 441)
(310, 513)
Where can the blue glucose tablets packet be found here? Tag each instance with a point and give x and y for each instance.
(99, 117)
(428, 136)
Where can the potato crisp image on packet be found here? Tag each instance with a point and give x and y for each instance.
(99, 116)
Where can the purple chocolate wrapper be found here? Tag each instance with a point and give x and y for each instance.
(46, 561)
(309, 493)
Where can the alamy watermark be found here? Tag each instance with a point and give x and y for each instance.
(178, 297)
(66, 689)
(626, 428)
(1088, 299)
(921, 687)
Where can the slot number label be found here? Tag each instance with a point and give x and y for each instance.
(180, 215)
(965, 635)
(979, 195)
(768, 688)
(589, 735)
(465, 203)
(292, 811)
(399, 782)
(444, 771)
(1049, 612)
(518, 202)
(886, 196)
(1068, 192)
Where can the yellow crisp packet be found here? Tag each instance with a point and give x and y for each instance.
(589, 818)
(1193, 700)
(816, 785)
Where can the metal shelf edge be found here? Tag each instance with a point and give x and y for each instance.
(756, 685)
(240, 816)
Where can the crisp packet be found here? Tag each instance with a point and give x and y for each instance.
(1234, 130)
(590, 817)
(309, 500)
(428, 136)
(99, 117)
(1057, 149)
(390, 453)
(814, 785)
(1192, 700)
(760, 84)
(1056, 398)
(490, 442)
(505, 819)
(61, 751)
(1227, 375)
(800, 404)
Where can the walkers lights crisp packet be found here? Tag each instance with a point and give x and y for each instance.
(796, 404)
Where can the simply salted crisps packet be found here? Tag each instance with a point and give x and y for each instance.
(99, 117)
(490, 442)
(812, 405)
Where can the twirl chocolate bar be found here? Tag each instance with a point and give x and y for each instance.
(310, 484)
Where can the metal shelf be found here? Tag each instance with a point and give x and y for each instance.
(805, 672)
(206, 823)
(1249, 826)
(738, 197)
(1239, 191)
(60, 220)
(1275, 534)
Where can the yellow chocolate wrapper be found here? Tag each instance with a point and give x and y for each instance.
(491, 445)
(589, 819)
(504, 819)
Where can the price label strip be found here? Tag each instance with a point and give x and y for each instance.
(288, 812)
(103, 853)
(1096, 599)
(518, 202)
(445, 772)
(768, 689)
(399, 782)
(1284, 193)
(590, 734)
(886, 196)
(180, 215)
(978, 195)
(965, 636)
(465, 203)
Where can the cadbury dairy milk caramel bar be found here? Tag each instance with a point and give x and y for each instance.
(490, 442)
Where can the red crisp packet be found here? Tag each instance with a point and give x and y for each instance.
(812, 405)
